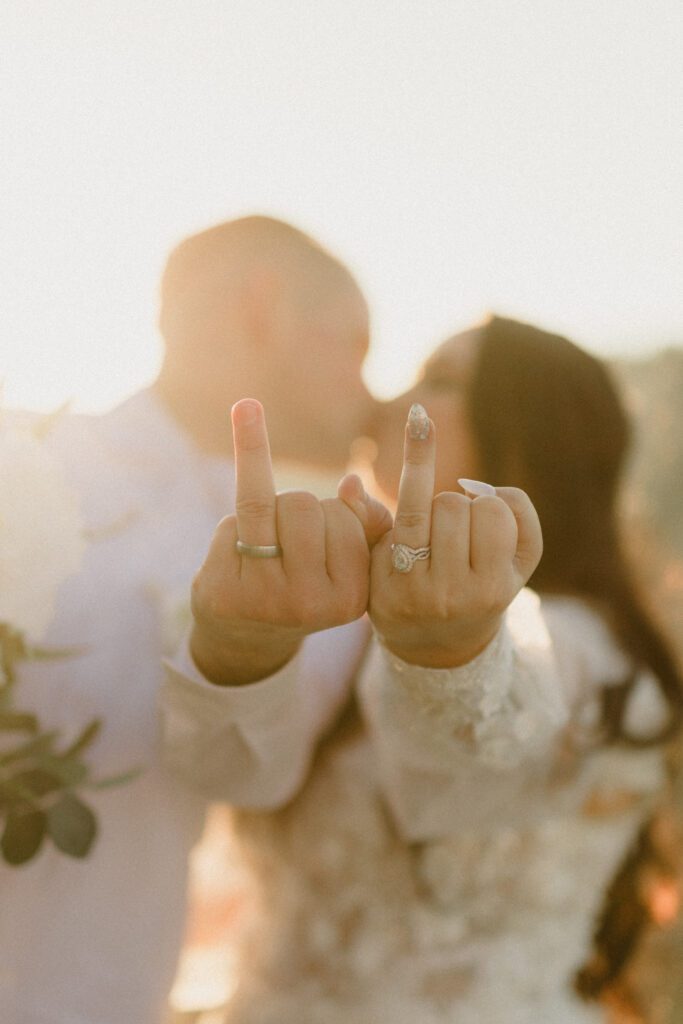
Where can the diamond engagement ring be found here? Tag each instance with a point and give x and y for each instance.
(259, 550)
(403, 558)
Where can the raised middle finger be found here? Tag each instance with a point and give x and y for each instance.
(255, 502)
(416, 489)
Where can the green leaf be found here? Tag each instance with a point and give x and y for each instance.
(12, 650)
(72, 826)
(116, 780)
(17, 721)
(37, 782)
(14, 792)
(68, 771)
(12, 641)
(41, 744)
(53, 653)
(88, 736)
(23, 836)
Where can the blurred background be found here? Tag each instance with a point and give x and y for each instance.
(461, 157)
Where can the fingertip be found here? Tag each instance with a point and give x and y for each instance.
(246, 412)
(351, 488)
(419, 425)
(418, 440)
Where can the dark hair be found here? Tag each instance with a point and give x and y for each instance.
(547, 417)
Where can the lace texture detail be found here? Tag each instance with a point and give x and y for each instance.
(472, 705)
(506, 704)
(433, 867)
(350, 923)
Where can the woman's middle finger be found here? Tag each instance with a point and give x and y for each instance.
(412, 523)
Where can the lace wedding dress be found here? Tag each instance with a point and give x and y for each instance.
(447, 855)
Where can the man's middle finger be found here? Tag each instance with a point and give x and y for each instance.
(255, 502)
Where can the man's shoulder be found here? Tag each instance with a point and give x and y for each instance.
(121, 434)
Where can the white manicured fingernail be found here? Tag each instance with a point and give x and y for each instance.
(418, 423)
(477, 487)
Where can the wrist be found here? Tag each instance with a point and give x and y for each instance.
(451, 654)
(238, 664)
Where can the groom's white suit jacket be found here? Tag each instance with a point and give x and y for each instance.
(96, 941)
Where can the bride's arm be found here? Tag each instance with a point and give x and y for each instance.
(469, 691)
(499, 739)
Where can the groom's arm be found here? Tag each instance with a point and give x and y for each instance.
(251, 745)
(242, 713)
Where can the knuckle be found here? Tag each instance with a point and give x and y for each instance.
(410, 608)
(443, 607)
(450, 501)
(300, 503)
(489, 502)
(411, 520)
(309, 608)
(334, 505)
(518, 494)
(206, 600)
(353, 605)
(253, 442)
(255, 508)
(491, 508)
(224, 531)
(493, 596)
(414, 458)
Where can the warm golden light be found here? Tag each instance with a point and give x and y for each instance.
(665, 902)
(454, 155)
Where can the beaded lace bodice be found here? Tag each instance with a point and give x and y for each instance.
(448, 854)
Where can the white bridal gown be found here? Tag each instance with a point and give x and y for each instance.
(441, 860)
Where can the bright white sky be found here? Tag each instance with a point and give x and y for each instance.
(460, 155)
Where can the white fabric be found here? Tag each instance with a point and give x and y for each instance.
(431, 867)
(96, 941)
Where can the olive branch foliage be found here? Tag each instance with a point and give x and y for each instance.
(40, 779)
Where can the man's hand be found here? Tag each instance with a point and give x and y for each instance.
(448, 608)
(251, 614)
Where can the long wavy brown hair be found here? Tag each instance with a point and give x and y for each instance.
(547, 416)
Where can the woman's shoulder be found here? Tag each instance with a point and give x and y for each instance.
(589, 652)
(586, 626)
(578, 634)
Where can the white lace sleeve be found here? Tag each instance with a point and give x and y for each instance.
(504, 705)
(471, 745)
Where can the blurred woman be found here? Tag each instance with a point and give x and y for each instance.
(474, 827)
(519, 404)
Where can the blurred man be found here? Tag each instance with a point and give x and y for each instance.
(252, 307)
(255, 307)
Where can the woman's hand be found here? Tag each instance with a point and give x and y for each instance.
(251, 613)
(448, 607)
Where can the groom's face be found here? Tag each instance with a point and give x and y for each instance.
(325, 388)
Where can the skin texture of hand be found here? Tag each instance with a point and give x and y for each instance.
(447, 609)
(251, 615)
